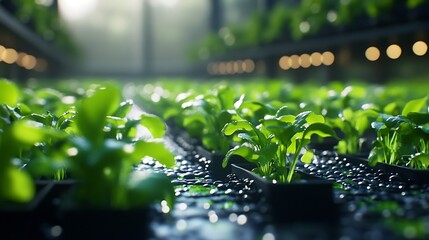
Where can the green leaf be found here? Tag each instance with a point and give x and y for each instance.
(314, 118)
(419, 118)
(237, 125)
(300, 119)
(287, 118)
(392, 108)
(378, 126)
(252, 111)
(154, 124)
(342, 147)
(92, 111)
(420, 159)
(319, 129)
(414, 106)
(193, 118)
(171, 113)
(123, 109)
(347, 114)
(238, 103)
(44, 119)
(375, 156)
(246, 138)
(147, 188)
(223, 117)
(226, 97)
(307, 157)
(406, 128)
(243, 151)
(116, 121)
(283, 111)
(267, 154)
(395, 121)
(16, 185)
(9, 93)
(283, 131)
(154, 149)
(27, 132)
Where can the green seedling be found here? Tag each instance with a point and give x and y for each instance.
(402, 135)
(103, 165)
(208, 113)
(276, 144)
(353, 125)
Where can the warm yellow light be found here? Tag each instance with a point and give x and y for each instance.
(222, 68)
(230, 67)
(394, 51)
(239, 66)
(29, 62)
(9, 55)
(372, 53)
(248, 65)
(2, 49)
(420, 48)
(235, 67)
(21, 55)
(294, 61)
(328, 58)
(316, 59)
(284, 63)
(305, 60)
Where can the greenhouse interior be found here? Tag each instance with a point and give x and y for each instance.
(214, 119)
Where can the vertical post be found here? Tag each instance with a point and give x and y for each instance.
(216, 18)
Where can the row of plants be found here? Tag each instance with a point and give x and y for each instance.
(42, 17)
(85, 136)
(275, 124)
(294, 21)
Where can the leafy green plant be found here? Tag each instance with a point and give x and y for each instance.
(277, 142)
(103, 165)
(208, 113)
(17, 137)
(353, 125)
(402, 135)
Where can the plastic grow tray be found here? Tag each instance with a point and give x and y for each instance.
(310, 199)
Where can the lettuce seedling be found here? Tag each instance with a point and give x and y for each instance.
(402, 135)
(210, 112)
(103, 165)
(276, 143)
(352, 124)
(16, 137)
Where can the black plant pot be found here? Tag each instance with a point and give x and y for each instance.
(83, 222)
(51, 204)
(89, 223)
(213, 161)
(309, 200)
(24, 221)
(410, 174)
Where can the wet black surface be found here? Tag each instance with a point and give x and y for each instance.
(372, 204)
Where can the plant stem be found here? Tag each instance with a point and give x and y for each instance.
(294, 161)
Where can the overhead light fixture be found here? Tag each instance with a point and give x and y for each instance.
(394, 51)
(420, 48)
(372, 53)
